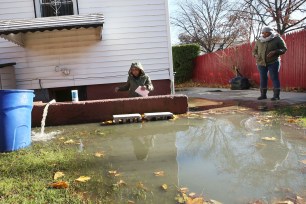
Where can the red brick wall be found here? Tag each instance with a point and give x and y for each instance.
(101, 110)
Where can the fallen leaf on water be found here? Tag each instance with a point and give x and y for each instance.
(183, 190)
(99, 154)
(259, 145)
(113, 173)
(83, 179)
(159, 173)
(192, 195)
(69, 142)
(164, 187)
(303, 161)
(285, 202)
(59, 185)
(198, 200)
(215, 202)
(269, 138)
(58, 174)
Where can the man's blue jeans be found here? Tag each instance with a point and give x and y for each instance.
(273, 70)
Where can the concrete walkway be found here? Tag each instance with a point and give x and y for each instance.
(224, 97)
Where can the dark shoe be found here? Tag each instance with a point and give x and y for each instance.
(275, 95)
(263, 94)
(275, 98)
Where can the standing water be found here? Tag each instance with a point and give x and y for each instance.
(234, 158)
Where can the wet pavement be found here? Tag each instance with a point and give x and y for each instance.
(220, 97)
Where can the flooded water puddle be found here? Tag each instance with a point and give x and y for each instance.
(234, 158)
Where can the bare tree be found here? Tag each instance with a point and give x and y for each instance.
(210, 23)
(286, 15)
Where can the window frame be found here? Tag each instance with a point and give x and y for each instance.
(37, 9)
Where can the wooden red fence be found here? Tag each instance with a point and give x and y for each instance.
(217, 68)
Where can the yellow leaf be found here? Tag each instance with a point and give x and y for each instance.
(61, 138)
(198, 200)
(113, 173)
(121, 183)
(99, 154)
(58, 174)
(59, 185)
(159, 173)
(69, 142)
(303, 161)
(164, 186)
(109, 122)
(83, 179)
(131, 202)
(269, 138)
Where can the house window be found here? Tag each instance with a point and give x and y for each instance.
(46, 8)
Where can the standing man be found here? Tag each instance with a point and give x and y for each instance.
(267, 51)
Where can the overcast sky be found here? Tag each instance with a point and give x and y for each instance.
(174, 32)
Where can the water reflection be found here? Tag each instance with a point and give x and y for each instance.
(222, 157)
(230, 162)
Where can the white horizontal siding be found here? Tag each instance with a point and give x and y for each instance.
(134, 30)
(16, 9)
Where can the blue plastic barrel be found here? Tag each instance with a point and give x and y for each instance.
(15, 119)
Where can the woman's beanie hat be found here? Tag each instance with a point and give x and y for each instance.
(267, 29)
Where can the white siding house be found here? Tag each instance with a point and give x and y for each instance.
(91, 59)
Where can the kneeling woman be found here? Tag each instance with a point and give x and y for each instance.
(137, 78)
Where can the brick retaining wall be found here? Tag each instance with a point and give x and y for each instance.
(65, 113)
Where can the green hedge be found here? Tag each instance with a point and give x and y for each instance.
(183, 56)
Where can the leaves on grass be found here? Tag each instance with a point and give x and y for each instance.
(131, 202)
(159, 173)
(113, 173)
(141, 186)
(269, 138)
(59, 185)
(83, 179)
(99, 154)
(58, 174)
(121, 183)
(69, 142)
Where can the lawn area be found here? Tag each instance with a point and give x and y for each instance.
(26, 176)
